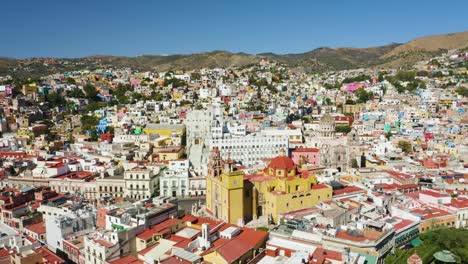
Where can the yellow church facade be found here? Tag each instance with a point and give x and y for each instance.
(278, 189)
(225, 191)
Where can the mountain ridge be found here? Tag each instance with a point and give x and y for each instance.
(316, 60)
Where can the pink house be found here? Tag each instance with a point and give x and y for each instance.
(134, 83)
(306, 155)
(352, 87)
(9, 90)
(434, 197)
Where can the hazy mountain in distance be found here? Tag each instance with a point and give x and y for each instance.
(320, 59)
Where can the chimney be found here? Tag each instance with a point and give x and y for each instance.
(205, 239)
(206, 232)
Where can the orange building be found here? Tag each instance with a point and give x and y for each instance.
(434, 218)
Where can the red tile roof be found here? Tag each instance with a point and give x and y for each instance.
(49, 256)
(258, 178)
(402, 224)
(282, 163)
(189, 218)
(429, 212)
(321, 256)
(233, 250)
(459, 203)
(175, 260)
(306, 150)
(5, 252)
(158, 229)
(399, 176)
(128, 260)
(146, 250)
(433, 194)
(103, 242)
(320, 186)
(238, 246)
(38, 228)
(348, 190)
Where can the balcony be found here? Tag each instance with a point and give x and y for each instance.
(139, 189)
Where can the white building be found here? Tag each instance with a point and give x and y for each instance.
(63, 227)
(101, 248)
(137, 139)
(47, 169)
(174, 181)
(224, 90)
(250, 148)
(294, 135)
(199, 127)
(140, 183)
(207, 129)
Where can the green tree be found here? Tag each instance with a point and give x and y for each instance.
(195, 76)
(451, 239)
(327, 101)
(362, 95)
(70, 80)
(272, 88)
(261, 82)
(345, 129)
(175, 82)
(90, 91)
(354, 163)
(405, 146)
(55, 99)
(88, 122)
(120, 93)
(359, 78)
(406, 76)
(93, 106)
(380, 78)
(138, 97)
(388, 135)
(156, 96)
(462, 91)
(76, 93)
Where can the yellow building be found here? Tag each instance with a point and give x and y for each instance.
(164, 130)
(280, 188)
(178, 96)
(224, 190)
(351, 109)
(174, 133)
(276, 190)
(169, 153)
(153, 235)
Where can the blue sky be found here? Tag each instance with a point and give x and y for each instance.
(57, 28)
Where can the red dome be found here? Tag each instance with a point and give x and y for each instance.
(282, 163)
